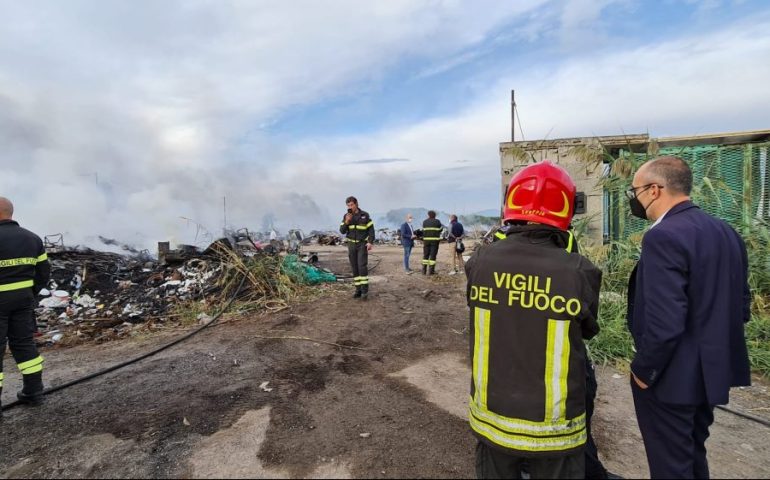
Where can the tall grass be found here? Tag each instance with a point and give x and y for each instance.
(617, 260)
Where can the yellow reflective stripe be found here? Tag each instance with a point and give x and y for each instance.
(17, 286)
(528, 427)
(31, 366)
(17, 262)
(370, 224)
(431, 238)
(431, 262)
(569, 242)
(2, 375)
(500, 235)
(527, 443)
(556, 369)
(480, 356)
(362, 227)
(42, 258)
(353, 241)
(432, 228)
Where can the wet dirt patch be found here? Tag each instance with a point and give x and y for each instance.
(352, 364)
(240, 445)
(444, 379)
(85, 457)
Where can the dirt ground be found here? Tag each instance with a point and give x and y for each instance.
(389, 404)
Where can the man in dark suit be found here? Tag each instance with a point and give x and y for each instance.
(688, 300)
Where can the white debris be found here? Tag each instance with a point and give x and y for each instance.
(86, 301)
(365, 435)
(264, 387)
(616, 376)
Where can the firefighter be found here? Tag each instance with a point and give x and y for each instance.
(532, 303)
(359, 228)
(431, 237)
(593, 465)
(24, 271)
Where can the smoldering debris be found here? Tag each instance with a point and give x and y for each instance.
(99, 296)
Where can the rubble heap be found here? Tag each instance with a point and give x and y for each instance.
(98, 296)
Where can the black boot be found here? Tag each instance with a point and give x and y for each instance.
(365, 292)
(1, 403)
(32, 393)
(358, 293)
(431, 269)
(424, 269)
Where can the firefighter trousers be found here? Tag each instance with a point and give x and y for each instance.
(493, 464)
(17, 326)
(429, 254)
(358, 256)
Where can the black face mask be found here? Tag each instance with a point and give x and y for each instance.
(637, 209)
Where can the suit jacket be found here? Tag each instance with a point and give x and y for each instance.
(406, 235)
(688, 300)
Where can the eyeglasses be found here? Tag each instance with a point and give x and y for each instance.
(632, 194)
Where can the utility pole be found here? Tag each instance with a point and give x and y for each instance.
(224, 209)
(513, 115)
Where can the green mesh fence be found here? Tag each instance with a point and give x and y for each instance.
(731, 182)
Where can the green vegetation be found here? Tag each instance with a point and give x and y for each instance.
(617, 259)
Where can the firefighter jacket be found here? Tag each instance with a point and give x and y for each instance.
(23, 261)
(360, 228)
(531, 305)
(431, 230)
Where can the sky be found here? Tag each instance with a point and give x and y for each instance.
(147, 121)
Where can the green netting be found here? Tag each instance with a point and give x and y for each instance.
(731, 182)
(301, 272)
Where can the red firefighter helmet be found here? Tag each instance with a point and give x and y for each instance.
(541, 193)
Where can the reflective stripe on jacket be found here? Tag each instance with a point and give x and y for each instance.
(431, 230)
(23, 260)
(360, 228)
(531, 305)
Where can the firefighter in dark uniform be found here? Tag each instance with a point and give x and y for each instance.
(359, 228)
(24, 270)
(594, 467)
(431, 237)
(532, 304)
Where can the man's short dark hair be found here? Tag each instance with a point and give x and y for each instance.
(674, 172)
(351, 199)
(452, 218)
(431, 214)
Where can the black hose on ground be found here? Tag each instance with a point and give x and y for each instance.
(141, 357)
(747, 416)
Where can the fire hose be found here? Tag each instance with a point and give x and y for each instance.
(140, 357)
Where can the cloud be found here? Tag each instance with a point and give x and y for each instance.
(701, 83)
(126, 118)
(378, 160)
(121, 118)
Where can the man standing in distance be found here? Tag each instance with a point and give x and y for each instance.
(456, 234)
(431, 237)
(24, 271)
(688, 300)
(358, 226)
(407, 240)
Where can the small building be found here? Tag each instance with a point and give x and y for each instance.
(730, 172)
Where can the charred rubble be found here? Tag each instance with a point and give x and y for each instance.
(99, 296)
